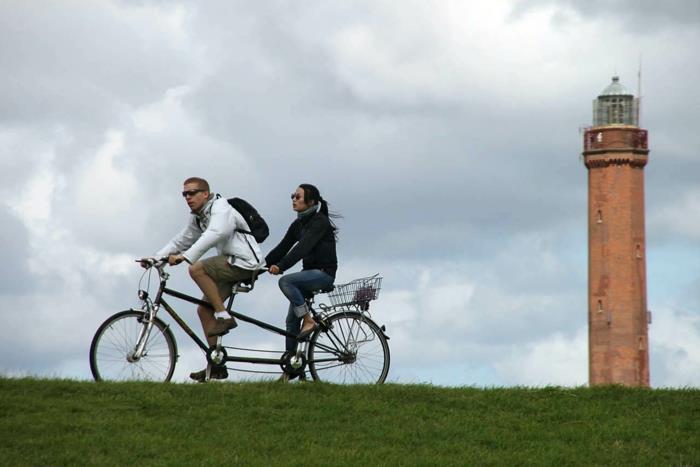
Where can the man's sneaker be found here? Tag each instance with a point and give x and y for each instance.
(217, 372)
(286, 377)
(222, 326)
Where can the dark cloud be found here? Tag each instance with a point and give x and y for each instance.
(80, 67)
(15, 278)
(480, 176)
(640, 16)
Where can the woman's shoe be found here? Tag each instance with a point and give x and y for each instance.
(306, 333)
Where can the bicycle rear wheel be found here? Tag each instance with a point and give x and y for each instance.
(352, 350)
(112, 350)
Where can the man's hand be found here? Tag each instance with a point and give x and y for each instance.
(274, 270)
(175, 259)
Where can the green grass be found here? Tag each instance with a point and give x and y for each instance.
(58, 422)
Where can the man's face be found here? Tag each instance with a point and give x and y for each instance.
(194, 196)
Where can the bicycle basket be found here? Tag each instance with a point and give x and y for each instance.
(357, 292)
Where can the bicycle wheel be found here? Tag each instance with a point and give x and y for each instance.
(352, 350)
(112, 348)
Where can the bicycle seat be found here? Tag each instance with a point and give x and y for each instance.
(243, 286)
(325, 289)
(246, 285)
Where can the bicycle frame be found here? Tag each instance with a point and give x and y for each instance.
(346, 345)
(159, 300)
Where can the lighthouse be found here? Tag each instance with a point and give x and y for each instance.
(615, 152)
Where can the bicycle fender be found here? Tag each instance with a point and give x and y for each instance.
(383, 329)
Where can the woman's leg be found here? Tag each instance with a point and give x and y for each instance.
(298, 285)
(293, 326)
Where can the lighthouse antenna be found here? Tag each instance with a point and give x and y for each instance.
(639, 90)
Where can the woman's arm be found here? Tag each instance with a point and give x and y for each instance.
(283, 247)
(317, 229)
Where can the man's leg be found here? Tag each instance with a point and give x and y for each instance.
(211, 291)
(206, 317)
(216, 276)
(207, 285)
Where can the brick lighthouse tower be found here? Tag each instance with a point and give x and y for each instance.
(615, 153)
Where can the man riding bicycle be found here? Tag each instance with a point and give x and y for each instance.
(213, 224)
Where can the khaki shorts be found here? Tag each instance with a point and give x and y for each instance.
(225, 275)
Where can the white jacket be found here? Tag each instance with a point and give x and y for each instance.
(218, 221)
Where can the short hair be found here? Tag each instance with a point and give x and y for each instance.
(201, 183)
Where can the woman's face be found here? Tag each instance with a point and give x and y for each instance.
(298, 203)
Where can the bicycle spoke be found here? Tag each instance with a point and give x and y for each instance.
(113, 347)
(353, 350)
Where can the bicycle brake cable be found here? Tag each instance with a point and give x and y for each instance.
(148, 280)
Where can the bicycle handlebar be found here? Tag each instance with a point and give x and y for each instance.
(163, 260)
(152, 261)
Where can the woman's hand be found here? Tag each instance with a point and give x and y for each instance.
(274, 270)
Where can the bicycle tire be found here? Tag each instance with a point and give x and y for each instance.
(350, 349)
(117, 337)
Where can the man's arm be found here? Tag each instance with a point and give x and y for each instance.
(182, 241)
(221, 225)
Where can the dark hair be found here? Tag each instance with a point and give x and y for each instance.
(201, 183)
(313, 196)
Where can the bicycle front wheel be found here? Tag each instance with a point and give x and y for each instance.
(352, 350)
(112, 352)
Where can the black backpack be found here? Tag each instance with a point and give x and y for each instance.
(258, 226)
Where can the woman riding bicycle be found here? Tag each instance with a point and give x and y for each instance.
(311, 238)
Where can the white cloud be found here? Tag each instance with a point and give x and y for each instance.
(439, 128)
(104, 189)
(682, 217)
(448, 51)
(674, 337)
(559, 360)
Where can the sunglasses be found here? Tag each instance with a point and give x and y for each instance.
(187, 193)
(297, 196)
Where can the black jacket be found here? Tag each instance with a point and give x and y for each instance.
(315, 245)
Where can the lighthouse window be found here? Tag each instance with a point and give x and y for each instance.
(615, 111)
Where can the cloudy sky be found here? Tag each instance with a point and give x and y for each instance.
(446, 132)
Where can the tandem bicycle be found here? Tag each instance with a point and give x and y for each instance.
(347, 347)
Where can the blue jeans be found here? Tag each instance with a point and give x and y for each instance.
(298, 286)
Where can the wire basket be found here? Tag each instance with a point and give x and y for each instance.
(357, 292)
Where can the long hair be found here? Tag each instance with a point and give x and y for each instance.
(313, 196)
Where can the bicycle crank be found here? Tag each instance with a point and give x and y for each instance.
(216, 355)
(293, 363)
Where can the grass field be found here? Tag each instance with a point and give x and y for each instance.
(58, 422)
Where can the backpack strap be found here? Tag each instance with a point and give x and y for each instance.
(246, 233)
(249, 245)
